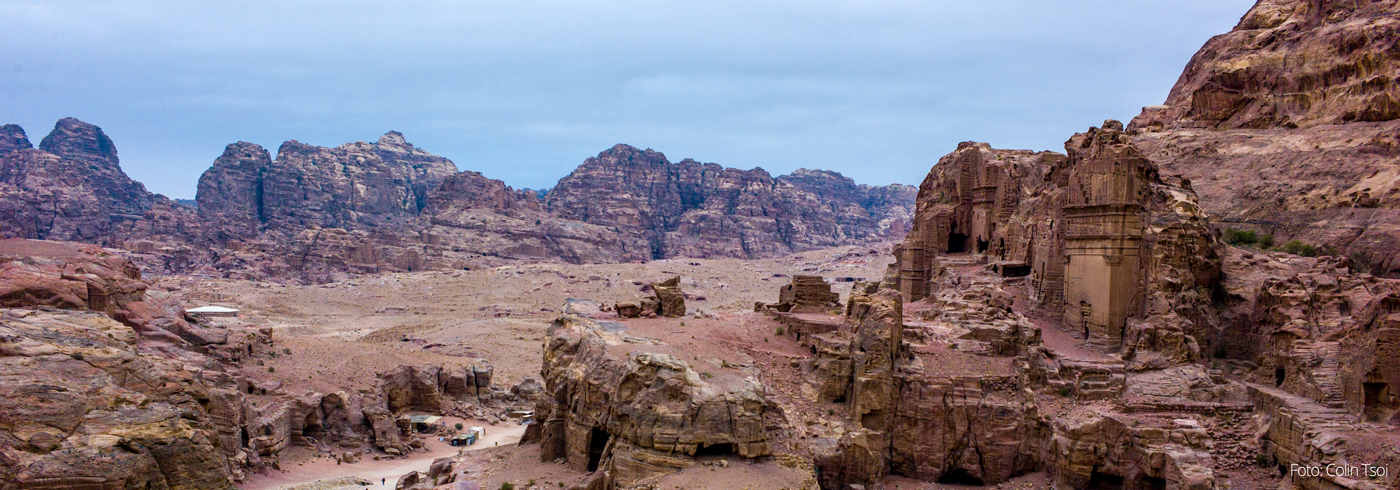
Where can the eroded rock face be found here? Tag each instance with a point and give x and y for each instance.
(1103, 236)
(639, 415)
(349, 186)
(1288, 124)
(69, 188)
(1291, 63)
(80, 411)
(692, 209)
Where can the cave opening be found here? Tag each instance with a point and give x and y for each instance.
(311, 428)
(957, 243)
(1015, 270)
(243, 436)
(959, 476)
(1103, 481)
(1152, 483)
(982, 245)
(1279, 375)
(1376, 406)
(725, 449)
(597, 444)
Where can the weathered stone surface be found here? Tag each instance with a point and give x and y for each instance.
(80, 413)
(669, 297)
(806, 294)
(639, 415)
(1287, 125)
(69, 188)
(1291, 63)
(356, 184)
(690, 209)
(1106, 237)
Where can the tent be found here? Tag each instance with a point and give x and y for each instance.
(211, 311)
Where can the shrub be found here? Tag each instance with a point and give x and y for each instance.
(507, 486)
(1261, 460)
(271, 369)
(1240, 237)
(1266, 241)
(1064, 390)
(780, 330)
(459, 426)
(1293, 247)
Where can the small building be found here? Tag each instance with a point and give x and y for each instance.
(466, 439)
(211, 311)
(425, 423)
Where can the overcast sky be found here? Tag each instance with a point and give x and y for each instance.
(524, 91)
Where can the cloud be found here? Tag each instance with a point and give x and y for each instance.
(524, 91)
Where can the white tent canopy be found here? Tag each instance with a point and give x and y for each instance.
(211, 310)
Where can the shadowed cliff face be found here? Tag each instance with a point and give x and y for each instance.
(698, 209)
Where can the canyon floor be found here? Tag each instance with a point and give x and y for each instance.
(337, 336)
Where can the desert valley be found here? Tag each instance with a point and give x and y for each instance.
(1206, 297)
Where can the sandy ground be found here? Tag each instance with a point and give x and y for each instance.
(341, 334)
(338, 336)
(384, 473)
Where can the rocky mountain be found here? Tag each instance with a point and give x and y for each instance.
(313, 213)
(356, 185)
(1289, 126)
(69, 188)
(695, 209)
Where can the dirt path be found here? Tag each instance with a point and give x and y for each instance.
(384, 473)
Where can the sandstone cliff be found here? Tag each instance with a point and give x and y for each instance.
(693, 209)
(69, 188)
(1288, 125)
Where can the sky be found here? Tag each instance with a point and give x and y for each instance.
(524, 91)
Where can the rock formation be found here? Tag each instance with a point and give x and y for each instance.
(1287, 126)
(316, 214)
(690, 209)
(633, 416)
(69, 188)
(806, 294)
(1102, 235)
(350, 186)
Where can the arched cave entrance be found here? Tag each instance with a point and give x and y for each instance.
(597, 444)
(312, 429)
(959, 476)
(1279, 375)
(982, 245)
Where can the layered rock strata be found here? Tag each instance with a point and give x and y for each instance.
(609, 405)
(1287, 126)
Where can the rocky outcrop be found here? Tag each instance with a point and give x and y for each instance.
(806, 294)
(1105, 238)
(1287, 126)
(692, 209)
(351, 186)
(1291, 64)
(69, 188)
(81, 411)
(640, 414)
